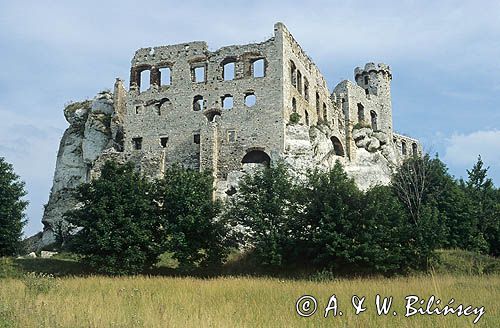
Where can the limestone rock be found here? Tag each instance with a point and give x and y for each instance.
(361, 133)
(373, 145)
(82, 143)
(103, 103)
(76, 113)
(47, 254)
(32, 255)
(381, 136)
(363, 142)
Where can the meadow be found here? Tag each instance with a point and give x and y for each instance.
(37, 300)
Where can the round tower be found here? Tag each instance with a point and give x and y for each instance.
(375, 79)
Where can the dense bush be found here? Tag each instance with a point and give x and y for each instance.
(119, 230)
(196, 237)
(327, 223)
(12, 207)
(322, 222)
(125, 221)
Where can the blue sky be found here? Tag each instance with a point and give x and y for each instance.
(445, 57)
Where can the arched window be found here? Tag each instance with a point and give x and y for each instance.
(294, 105)
(256, 157)
(258, 68)
(414, 149)
(337, 146)
(228, 69)
(293, 73)
(307, 118)
(325, 113)
(374, 120)
(299, 81)
(250, 99)
(318, 113)
(403, 148)
(361, 113)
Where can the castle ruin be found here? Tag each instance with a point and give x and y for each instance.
(228, 111)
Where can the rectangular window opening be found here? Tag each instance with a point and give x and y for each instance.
(196, 138)
(166, 77)
(163, 142)
(199, 74)
(137, 143)
(145, 80)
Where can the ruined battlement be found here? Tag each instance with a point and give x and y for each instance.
(372, 67)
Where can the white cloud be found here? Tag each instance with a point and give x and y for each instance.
(462, 151)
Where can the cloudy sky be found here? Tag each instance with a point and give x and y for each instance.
(445, 57)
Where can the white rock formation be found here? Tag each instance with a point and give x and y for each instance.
(83, 141)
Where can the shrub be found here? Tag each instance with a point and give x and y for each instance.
(189, 215)
(294, 118)
(120, 231)
(266, 208)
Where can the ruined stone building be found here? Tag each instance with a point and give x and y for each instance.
(229, 110)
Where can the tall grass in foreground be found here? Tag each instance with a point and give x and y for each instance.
(232, 302)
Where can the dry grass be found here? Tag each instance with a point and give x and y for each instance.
(231, 302)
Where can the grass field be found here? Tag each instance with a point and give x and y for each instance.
(232, 302)
(73, 298)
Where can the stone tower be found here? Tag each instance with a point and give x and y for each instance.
(375, 79)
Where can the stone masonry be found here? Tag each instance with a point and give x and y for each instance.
(229, 111)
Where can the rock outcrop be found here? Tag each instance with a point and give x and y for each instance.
(82, 143)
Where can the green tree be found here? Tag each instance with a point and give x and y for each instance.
(266, 208)
(12, 207)
(486, 205)
(120, 232)
(439, 208)
(388, 242)
(196, 235)
(333, 217)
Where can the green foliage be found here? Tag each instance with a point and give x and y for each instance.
(485, 202)
(120, 232)
(196, 236)
(327, 223)
(266, 207)
(294, 118)
(449, 214)
(461, 262)
(368, 231)
(126, 221)
(12, 207)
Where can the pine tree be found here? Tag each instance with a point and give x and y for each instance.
(486, 203)
(12, 207)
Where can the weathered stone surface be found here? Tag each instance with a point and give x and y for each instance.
(47, 254)
(32, 255)
(373, 145)
(181, 118)
(103, 103)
